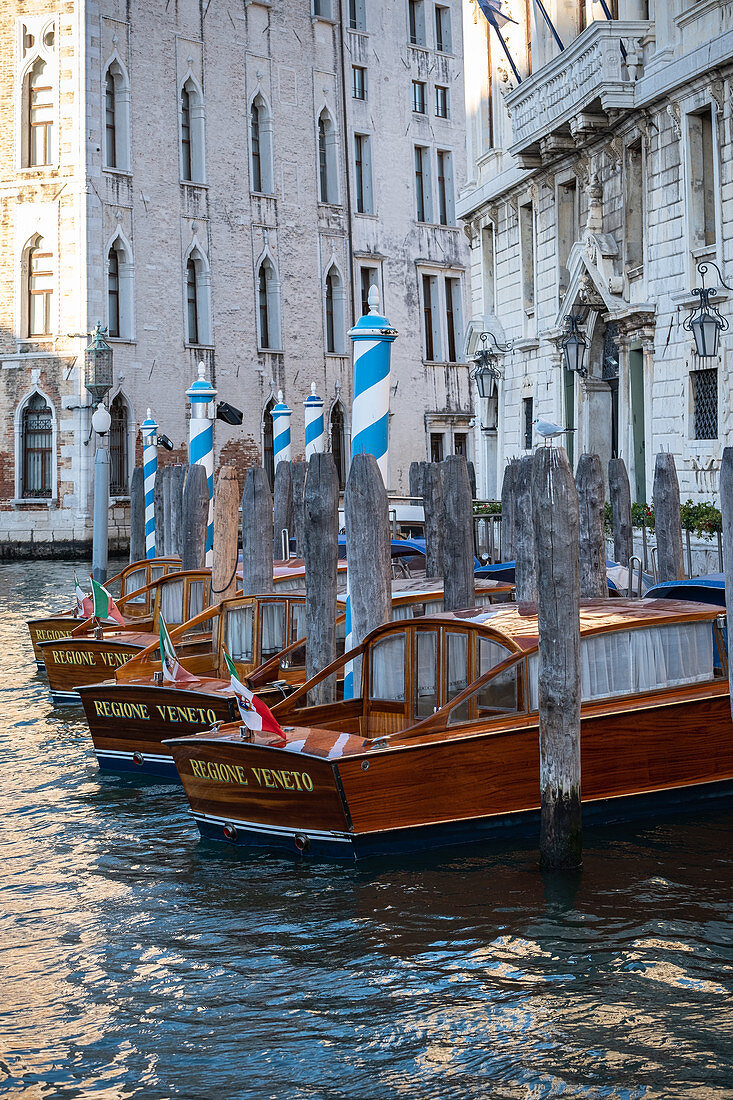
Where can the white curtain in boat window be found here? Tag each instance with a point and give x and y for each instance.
(171, 602)
(388, 669)
(631, 661)
(272, 629)
(238, 634)
(426, 673)
(133, 581)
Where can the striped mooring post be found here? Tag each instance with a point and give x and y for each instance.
(149, 431)
(315, 426)
(372, 336)
(201, 443)
(281, 430)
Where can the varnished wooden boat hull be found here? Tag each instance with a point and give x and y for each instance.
(74, 662)
(49, 629)
(128, 722)
(455, 789)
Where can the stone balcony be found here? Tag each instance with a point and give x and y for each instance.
(580, 93)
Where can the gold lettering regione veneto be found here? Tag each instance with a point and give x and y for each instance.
(111, 708)
(270, 778)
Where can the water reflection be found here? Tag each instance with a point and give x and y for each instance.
(138, 961)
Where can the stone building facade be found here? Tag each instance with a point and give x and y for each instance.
(222, 183)
(597, 185)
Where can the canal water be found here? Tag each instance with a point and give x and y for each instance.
(137, 961)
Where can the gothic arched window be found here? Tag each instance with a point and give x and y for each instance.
(37, 448)
(118, 448)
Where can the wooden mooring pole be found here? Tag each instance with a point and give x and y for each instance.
(176, 512)
(298, 476)
(558, 602)
(368, 548)
(226, 531)
(256, 533)
(525, 555)
(195, 518)
(667, 526)
(432, 492)
(508, 530)
(159, 508)
(591, 538)
(137, 515)
(619, 492)
(167, 524)
(458, 561)
(283, 510)
(320, 550)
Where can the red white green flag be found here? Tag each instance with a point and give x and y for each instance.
(254, 713)
(84, 605)
(173, 670)
(104, 606)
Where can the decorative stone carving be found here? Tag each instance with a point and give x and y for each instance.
(675, 116)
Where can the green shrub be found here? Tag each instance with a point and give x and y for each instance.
(702, 519)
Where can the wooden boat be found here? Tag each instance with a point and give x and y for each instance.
(90, 653)
(134, 602)
(131, 715)
(442, 747)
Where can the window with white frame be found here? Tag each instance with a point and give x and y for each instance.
(323, 9)
(39, 116)
(198, 299)
(120, 291)
(363, 174)
(442, 29)
(453, 318)
(442, 313)
(113, 293)
(327, 158)
(431, 318)
(35, 455)
(268, 306)
(702, 167)
(116, 117)
(39, 288)
(488, 269)
(441, 101)
(358, 82)
(418, 97)
(357, 15)
(335, 303)
(526, 247)
(260, 147)
(568, 230)
(423, 191)
(192, 132)
(416, 22)
(368, 277)
(446, 210)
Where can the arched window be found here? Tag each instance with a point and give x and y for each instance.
(335, 302)
(116, 117)
(268, 442)
(255, 139)
(110, 121)
(192, 133)
(262, 174)
(40, 289)
(268, 306)
(36, 448)
(338, 441)
(327, 152)
(192, 308)
(113, 293)
(39, 105)
(118, 448)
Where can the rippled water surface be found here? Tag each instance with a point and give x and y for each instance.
(137, 961)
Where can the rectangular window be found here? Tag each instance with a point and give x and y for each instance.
(322, 8)
(460, 444)
(527, 418)
(416, 17)
(40, 286)
(568, 231)
(582, 15)
(41, 122)
(702, 156)
(526, 244)
(705, 403)
(368, 279)
(430, 317)
(528, 34)
(363, 174)
(446, 214)
(357, 15)
(436, 447)
(422, 185)
(488, 262)
(358, 82)
(442, 29)
(634, 209)
(453, 317)
(441, 101)
(418, 97)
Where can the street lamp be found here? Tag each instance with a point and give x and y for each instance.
(706, 322)
(486, 370)
(573, 347)
(98, 364)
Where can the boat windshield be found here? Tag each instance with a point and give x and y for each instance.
(238, 633)
(272, 629)
(134, 580)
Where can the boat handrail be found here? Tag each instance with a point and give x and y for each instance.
(282, 709)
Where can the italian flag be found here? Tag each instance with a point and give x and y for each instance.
(254, 713)
(104, 606)
(84, 607)
(173, 670)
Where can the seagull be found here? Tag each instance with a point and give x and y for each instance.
(548, 430)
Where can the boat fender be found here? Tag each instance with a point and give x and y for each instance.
(138, 758)
(302, 843)
(230, 832)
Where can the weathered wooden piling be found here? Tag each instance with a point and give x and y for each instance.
(257, 529)
(619, 493)
(525, 572)
(591, 539)
(508, 527)
(320, 550)
(471, 478)
(137, 515)
(167, 473)
(370, 571)
(226, 532)
(558, 595)
(159, 509)
(667, 526)
(298, 475)
(726, 509)
(283, 508)
(432, 488)
(179, 480)
(417, 473)
(195, 518)
(458, 561)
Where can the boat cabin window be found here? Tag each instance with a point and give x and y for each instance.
(341, 637)
(156, 572)
(196, 602)
(171, 602)
(627, 662)
(425, 674)
(502, 694)
(272, 629)
(239, 633)
(456, 665)
(296, 657)
(387, 679)
(132, 582)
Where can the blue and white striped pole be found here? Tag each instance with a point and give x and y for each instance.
(373, 337)
(149, 431)
(315, 426)
(281, 430)
(201, 443)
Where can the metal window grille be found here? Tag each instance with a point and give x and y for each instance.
(705, 402)
(528, 414)
(268, 443)
(338, 438)
(37, 443)
(118, 470)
